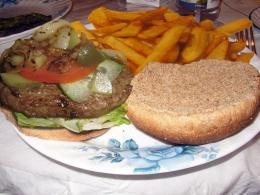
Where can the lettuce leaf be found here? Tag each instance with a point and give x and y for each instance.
(114, 118)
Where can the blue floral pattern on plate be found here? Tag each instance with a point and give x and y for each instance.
(150, 159)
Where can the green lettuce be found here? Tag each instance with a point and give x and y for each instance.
(114, 118)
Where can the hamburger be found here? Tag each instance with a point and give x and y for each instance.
(196, 103)
(58, 85)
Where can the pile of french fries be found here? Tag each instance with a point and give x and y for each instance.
(162, 35)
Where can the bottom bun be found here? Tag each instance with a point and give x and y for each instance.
(53, 134)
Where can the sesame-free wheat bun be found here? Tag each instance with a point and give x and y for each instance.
(197, 103)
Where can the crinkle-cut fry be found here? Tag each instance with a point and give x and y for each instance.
(152, 32)
(172, 55)
(196, 46)
(152, 14)
(137, 45)
(169, 39)
(130, 31)
(109, 29)
(80, 28)
(236, 47)
(114, 15)
(235, 26)
(130, 53)
(170, 15)
(220, 52)
(245, 57)
(207, 24)
(98, 17)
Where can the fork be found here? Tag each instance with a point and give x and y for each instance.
(247, 35)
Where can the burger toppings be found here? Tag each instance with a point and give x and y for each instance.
(58, 62)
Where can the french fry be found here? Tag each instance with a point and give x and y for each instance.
(220, 52)
(235, 26)
(207, 24)
(109, 29)
(122, 15)
(245, 57)
(172, 55)
(80, 28)
(152, 14)
(158, 22)
(130, 53)
(236, 47)
(98, 17)
(185, 20)
(130, 31)
(132, 67)
(214, 40)
(138, 46)
(152, 32)
(168, 41)
(170, 16)
(196, 45)
(163, 35)
(233, 56)
(185, 36)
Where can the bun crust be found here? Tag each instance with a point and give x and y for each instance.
(53, 134)
(196, 103)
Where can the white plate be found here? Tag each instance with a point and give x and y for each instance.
(55, 8)
(125, 150)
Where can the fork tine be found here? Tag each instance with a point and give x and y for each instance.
(252, 40)
(247, 39)
(247, 36)
(241, 35)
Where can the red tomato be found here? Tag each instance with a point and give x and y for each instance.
(75, 73)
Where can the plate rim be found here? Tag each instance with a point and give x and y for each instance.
(25, 33)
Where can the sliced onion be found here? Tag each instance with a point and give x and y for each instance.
(114, 54)
(63, 38)
(49, 29)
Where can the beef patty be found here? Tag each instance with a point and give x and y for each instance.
(49, 101)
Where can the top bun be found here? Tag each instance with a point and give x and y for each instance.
(195, 103)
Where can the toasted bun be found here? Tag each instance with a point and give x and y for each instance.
(196, 103)
(53, 134)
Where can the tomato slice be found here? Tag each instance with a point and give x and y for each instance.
(75, 73)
